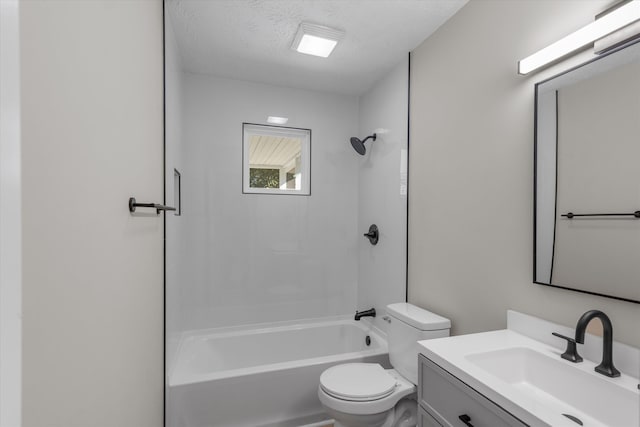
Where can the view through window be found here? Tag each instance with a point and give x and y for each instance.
(276, 159)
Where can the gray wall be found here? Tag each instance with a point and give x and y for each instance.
(471, 169)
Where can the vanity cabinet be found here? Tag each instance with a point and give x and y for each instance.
(446, 401)
(426, 420)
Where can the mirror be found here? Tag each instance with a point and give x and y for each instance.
(587, 178)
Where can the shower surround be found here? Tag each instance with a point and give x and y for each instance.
(235, 260)
(253, 258)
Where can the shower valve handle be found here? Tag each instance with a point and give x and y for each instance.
(373, 234)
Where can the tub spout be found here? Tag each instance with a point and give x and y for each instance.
(371, 312)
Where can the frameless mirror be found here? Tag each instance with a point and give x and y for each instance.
(276, 159)
(587, 181)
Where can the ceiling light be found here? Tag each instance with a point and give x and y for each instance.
(316, 40)
(607, 24)
(277, 120)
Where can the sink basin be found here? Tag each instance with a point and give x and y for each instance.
(560, 386)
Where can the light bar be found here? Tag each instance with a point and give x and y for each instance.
(609, 23)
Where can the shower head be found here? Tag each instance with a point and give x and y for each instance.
(359, 145)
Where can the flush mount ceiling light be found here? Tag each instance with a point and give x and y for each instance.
(277, 120)
(619, 18)
(316, 40)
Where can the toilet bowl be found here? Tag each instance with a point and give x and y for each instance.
(366, 394)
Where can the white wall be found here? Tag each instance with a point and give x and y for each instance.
(471, 169)
(382, 197)
(92, 136)
(10, 221)
(175, 225)
(253, 258)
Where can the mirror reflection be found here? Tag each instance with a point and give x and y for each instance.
(587, 185)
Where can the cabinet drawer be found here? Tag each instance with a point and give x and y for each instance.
(447, 399)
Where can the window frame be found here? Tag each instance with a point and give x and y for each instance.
(250, 129)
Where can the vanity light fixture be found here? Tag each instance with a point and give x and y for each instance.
(617, 39)
(316, 40)
(619, 18)
(277, 120)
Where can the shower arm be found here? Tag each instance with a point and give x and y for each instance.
(370, 136)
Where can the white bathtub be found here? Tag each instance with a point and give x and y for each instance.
(262, 375)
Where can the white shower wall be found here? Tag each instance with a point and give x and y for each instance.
(235, 258)
(175, 244)
(382, 196)
(251, 258)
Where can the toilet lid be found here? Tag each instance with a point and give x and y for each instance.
(357, 381)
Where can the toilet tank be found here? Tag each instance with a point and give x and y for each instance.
(409, 324)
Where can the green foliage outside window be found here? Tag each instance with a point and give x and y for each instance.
(264, 178)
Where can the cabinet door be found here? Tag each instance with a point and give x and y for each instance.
(453, 403)
(426, 420)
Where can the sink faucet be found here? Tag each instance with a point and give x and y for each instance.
(606, 366)
(371, 312)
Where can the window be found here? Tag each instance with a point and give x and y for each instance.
(276, 160)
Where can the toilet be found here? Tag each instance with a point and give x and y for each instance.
(366, 394)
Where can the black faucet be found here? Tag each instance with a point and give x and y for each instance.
(606, 366)
(571, 353)
(371, 312)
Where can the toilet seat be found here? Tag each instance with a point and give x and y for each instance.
(401, 389)
(357, 382)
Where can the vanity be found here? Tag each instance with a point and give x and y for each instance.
(445, 400)
(517, 377)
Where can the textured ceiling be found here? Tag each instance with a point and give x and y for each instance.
(251, 39)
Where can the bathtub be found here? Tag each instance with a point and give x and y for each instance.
(263, 375)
